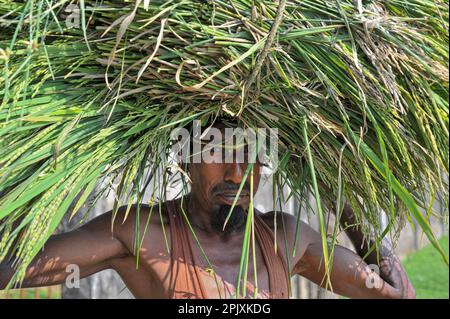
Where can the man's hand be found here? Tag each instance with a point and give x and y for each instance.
(351, 276)
(390, 268)
(388, 264)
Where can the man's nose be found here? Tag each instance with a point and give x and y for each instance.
(234, 173)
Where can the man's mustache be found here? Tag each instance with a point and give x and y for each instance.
(230, 187)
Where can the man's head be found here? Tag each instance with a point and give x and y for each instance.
(216, 178)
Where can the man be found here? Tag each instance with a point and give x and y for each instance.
(186, 252)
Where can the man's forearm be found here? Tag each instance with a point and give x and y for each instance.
(361, 244)
(390, 268)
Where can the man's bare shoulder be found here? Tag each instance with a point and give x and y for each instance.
(144, 214)
(123, 221)
(281, 220)
(285, 221)
(290, 227)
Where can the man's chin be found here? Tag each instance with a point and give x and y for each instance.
(235, 222)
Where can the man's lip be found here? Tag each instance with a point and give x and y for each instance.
(232, 194)
(229, 199)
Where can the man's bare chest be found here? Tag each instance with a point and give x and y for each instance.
(152, 275)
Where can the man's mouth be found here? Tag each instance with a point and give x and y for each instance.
(228, 197)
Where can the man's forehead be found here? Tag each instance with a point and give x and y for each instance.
(222, 133)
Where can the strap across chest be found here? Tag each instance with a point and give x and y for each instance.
(185, 274)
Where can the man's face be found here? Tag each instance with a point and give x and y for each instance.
(216, 184)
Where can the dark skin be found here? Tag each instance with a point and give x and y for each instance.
(93, 247)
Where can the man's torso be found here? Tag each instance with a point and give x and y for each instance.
(149, 275)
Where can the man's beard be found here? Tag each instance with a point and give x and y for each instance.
(236, 221)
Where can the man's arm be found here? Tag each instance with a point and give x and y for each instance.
(91, 247)
(350, 276)
(388, 262)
